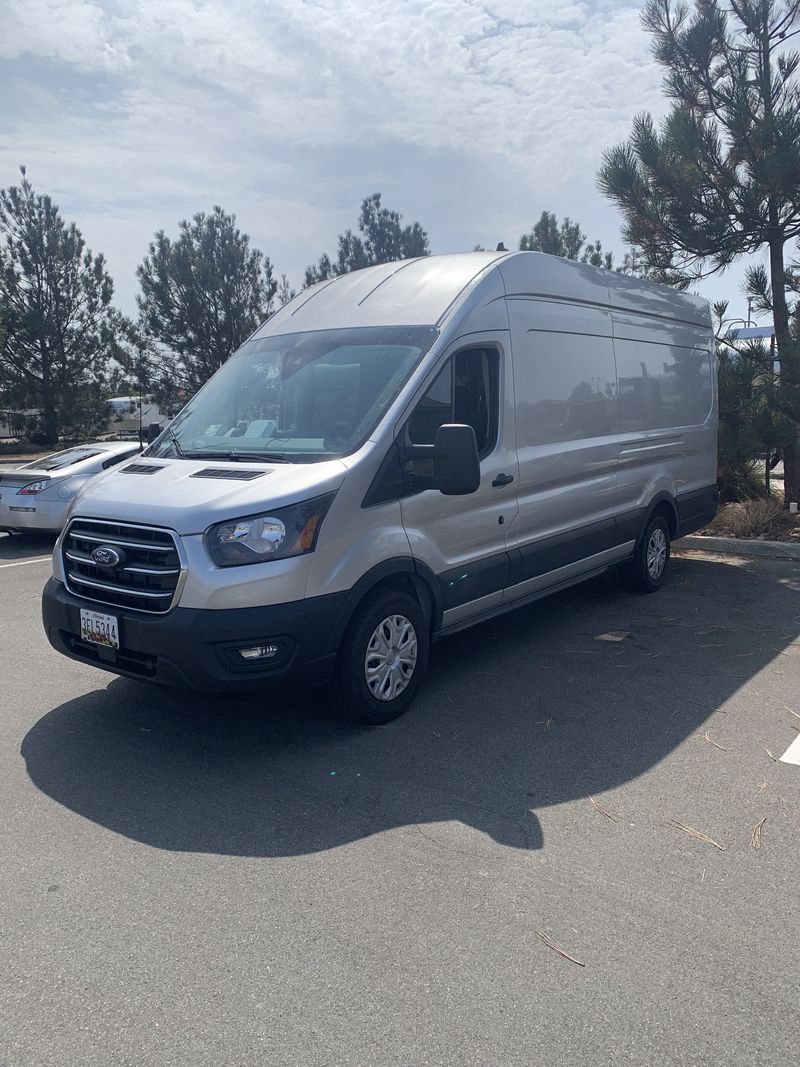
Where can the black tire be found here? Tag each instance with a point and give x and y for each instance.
(349, 692)
(646, 570)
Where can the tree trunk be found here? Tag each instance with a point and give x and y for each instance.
(780, 308)
(786, 352)
(49, 404)
(791, 472)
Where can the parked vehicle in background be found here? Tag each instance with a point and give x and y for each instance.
(130, 413)
(37, 495)
(396, 454)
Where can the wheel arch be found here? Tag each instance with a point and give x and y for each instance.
(402, 573)
(663, 503)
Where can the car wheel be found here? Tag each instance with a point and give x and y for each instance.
(645, 572)
(382, 659)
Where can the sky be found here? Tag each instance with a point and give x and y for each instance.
(471, 117)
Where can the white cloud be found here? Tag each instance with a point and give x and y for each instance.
(438, 75)
(77, 32)
(471, 116)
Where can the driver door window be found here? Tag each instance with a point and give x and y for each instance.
(464, 391)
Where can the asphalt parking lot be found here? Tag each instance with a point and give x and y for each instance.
(205, 881)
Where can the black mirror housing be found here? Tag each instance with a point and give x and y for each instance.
(456, 467)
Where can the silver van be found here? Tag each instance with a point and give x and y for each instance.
(395, 455)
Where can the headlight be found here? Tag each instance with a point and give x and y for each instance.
(278, 534)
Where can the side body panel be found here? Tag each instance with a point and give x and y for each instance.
(565, 380)
(353, 540)
(667, 403)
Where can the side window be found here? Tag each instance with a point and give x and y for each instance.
(466, 390)
(662, 385)
(475, 395)
(434, 409)
(568, 385)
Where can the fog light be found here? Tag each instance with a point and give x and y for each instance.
(259, 652)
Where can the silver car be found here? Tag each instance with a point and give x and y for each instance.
(36, 496)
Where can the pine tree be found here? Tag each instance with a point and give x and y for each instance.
(565, 239)
(720, 177)
(381, 239)
(55, 307)
(201, 296)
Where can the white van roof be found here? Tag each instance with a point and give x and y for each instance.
(422, 292)
(412, 292)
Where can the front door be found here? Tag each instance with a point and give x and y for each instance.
(463, 538)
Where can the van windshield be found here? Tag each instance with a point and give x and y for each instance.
(298, 397)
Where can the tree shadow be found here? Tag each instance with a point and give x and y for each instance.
(523, 712)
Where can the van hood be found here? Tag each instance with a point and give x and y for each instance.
(189, 495)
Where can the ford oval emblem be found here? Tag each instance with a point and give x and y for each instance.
(104, 556)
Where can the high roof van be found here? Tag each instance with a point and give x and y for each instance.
(396, 454)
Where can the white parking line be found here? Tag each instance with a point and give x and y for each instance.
(792, 753)
(22, 562)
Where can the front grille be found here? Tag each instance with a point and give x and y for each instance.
(228, 472)
(146, 578)
(140, 468)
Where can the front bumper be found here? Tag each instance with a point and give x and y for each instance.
(191, 648)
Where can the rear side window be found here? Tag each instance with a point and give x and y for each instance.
(565, 385)
(662, 385)
(465, 391)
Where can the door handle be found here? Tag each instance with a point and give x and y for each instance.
(503, 479)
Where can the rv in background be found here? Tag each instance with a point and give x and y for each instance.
(125, 417)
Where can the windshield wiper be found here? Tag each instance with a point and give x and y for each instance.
(175, 443)
(234, 455)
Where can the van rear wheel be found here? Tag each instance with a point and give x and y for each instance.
(645, 572)
(382, 659)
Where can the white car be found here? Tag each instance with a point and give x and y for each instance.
(35, 497)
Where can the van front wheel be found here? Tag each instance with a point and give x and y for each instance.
(382, 659)
(645, 572)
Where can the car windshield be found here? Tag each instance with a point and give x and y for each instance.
(63, 459)
(298, 397)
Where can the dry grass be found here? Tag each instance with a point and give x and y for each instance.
(698, 835)
(706, 737)
(557, 948)
(755, 519)
(603, 810)
(755, 836)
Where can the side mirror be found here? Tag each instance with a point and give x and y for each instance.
(456, 469)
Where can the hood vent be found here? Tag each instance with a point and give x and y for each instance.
(229, 473)
(140, 468)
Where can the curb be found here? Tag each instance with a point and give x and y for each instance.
(741, 547)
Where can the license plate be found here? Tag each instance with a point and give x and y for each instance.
(100, 629)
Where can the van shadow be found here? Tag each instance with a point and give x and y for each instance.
(23, 546)
(526, 711)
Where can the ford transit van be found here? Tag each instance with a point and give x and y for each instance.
(396, 454)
